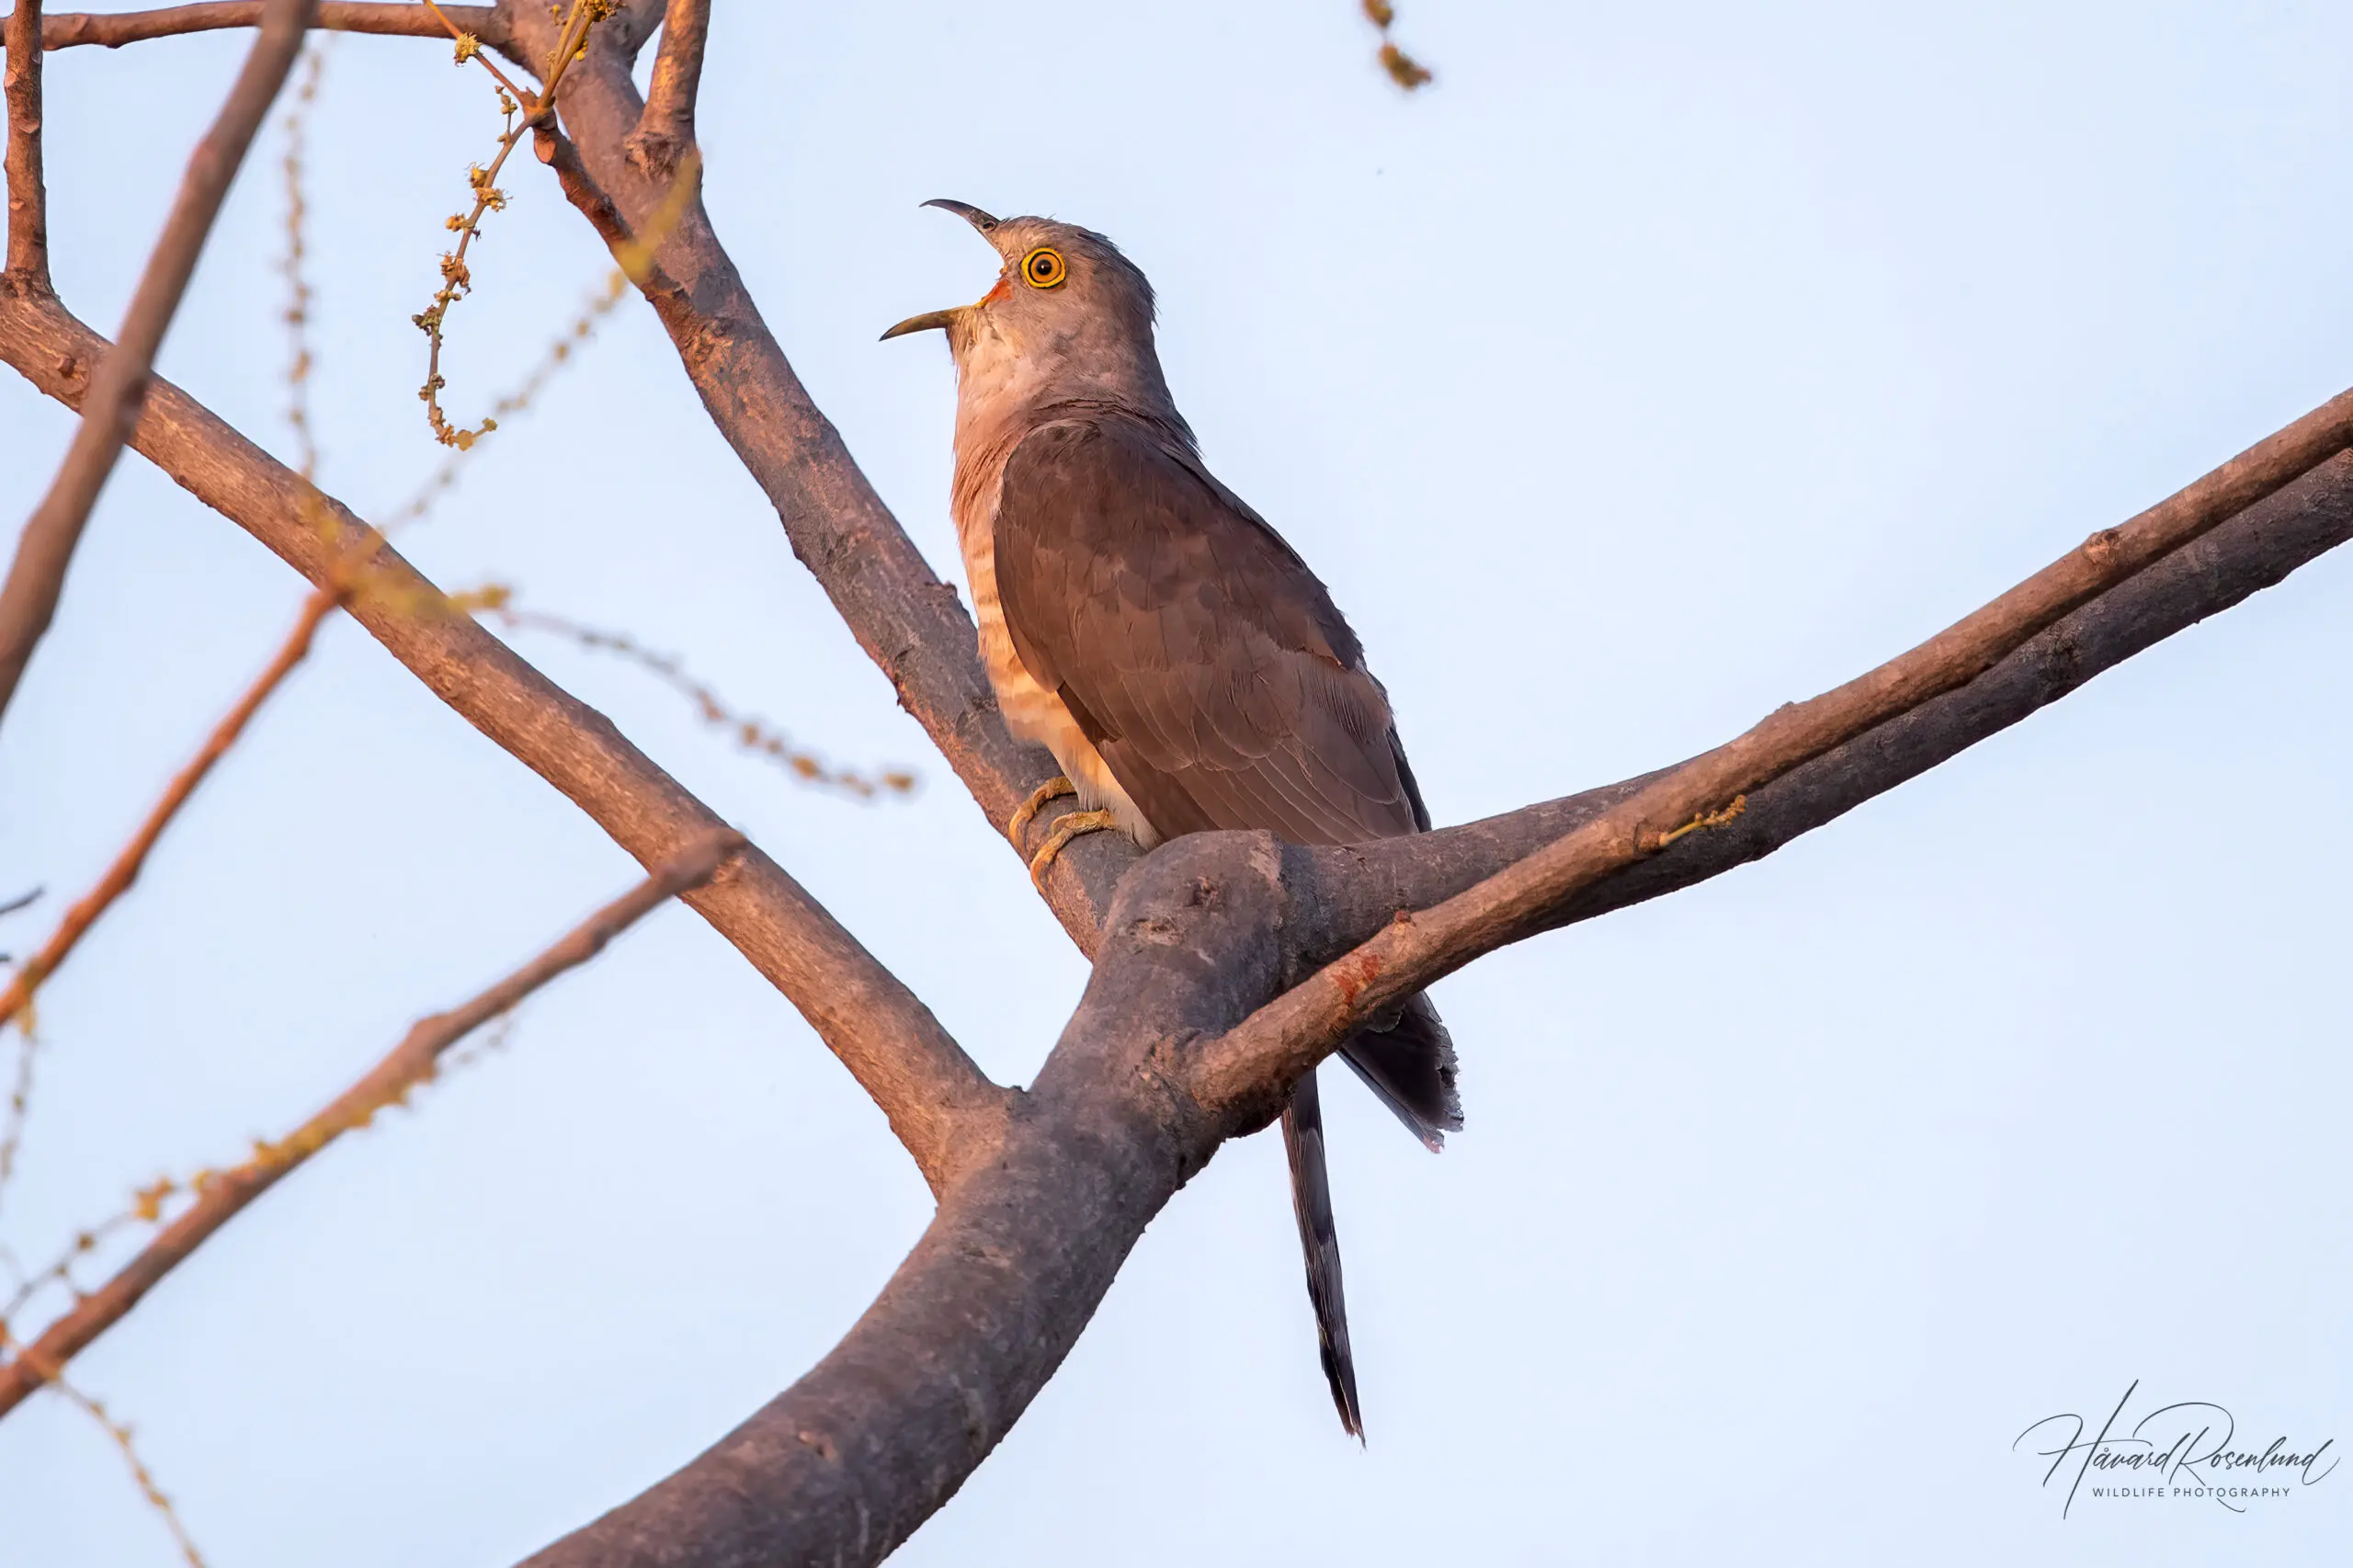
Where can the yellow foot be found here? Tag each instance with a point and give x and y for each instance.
(1065, 829)
(1053, 788)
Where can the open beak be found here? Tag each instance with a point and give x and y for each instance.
(924, 323)
(940, 320)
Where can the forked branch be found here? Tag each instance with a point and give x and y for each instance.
(667, 128)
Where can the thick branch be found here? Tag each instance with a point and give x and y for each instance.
(27, 265)
(404, 20)
(937, 1101)
(227, 1193)
(667, 128)
(125, 868)
(843, 1465)
(1245, 1072)
(1342, 895)
(38, 576)
(631, 252)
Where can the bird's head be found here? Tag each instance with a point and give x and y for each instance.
(1069, 318)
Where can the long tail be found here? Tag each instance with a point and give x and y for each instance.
(1310, 1200)
(1409, 1064)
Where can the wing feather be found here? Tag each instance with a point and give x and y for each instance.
(1196, 650)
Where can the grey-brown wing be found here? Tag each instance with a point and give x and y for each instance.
(1202, 657)
(1214, 675)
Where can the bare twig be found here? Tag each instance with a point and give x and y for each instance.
(226, 1193)
(119, 384)
(10, 906)
(400, 19)
(124, 871)
(667, 129)
(753, 736)
(12, 1118)
(61, 1272)
(28, 264)
(118, 1432)
(1247, 1068)
(298, 284)
(940, 1104)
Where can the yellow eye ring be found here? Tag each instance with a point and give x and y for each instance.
(1044, 267)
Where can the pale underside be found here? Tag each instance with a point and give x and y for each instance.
(1030, 711)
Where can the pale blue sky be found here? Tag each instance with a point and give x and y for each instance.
(1655, 367)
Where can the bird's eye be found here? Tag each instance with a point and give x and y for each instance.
(1044, 267)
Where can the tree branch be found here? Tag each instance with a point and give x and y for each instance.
(85, 912)
(842, 1467)
(37, 577)
(633, 255)
(1246, 1073)
(113, 29)
(938, 1103)
(846, 1463)
(1344, 895)
(27, 265)
(412, 1062)
(666, 127)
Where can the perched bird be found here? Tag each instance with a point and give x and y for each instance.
(1179, 660)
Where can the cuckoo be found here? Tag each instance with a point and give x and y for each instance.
(1178, 659)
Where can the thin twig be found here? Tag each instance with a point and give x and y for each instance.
(61, 1272)
(457, 279)
(20, 1098)
(1270, 1049)
(133, 855)
(299, 362)
(27, 265)
(119, 386)
(223, 1195)
(755, 736)
(666, 127)
(141, 1476)
(400, 19)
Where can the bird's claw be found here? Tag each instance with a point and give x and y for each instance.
(1066, 827)
(1053, 788)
